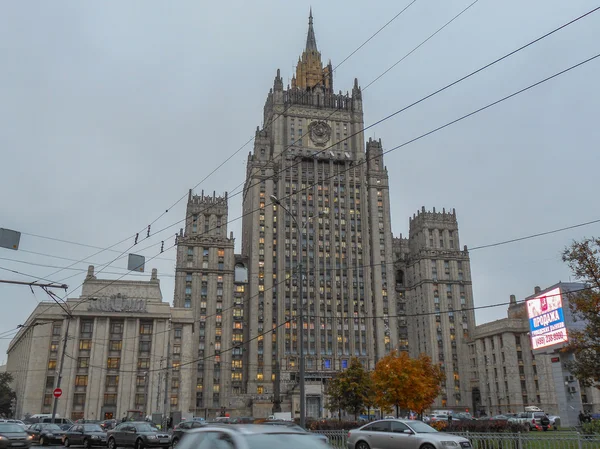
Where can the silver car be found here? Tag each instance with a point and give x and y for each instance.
(249, 436)
(402, 434)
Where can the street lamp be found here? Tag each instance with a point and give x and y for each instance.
(276, 201)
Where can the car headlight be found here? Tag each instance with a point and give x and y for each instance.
(95, 437)
(2, 438)
(49, 435)
(449, 443)
(152, 437)
(465, 444)
(29, 437)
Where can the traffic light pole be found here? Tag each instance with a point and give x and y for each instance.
(60, 368)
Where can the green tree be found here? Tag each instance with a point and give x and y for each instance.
(583, 258)
(334, 396)
(6, 394)
(350, 388)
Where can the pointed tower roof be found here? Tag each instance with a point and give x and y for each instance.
(311, 41)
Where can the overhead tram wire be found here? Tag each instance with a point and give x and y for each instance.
(394, 114)
(289, 320)
(293, 271)
(231, 156)
(276, 116)
(364, 89)
(304, 93)
(421, 136)
(435, 130)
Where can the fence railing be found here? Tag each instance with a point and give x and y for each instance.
(528, 440)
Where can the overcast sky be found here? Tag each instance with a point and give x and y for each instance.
(110, 112)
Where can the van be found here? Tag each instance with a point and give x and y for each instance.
(59, 421)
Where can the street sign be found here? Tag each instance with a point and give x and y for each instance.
(57, 393)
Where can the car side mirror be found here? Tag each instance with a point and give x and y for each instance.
(407, 431)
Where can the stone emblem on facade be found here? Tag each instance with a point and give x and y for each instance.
(118, 303)
(319, 132)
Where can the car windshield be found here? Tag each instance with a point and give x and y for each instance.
(92, 428)
(10, 428)
(287, 440)
(51, 427)
(145, 427)
(421, 427)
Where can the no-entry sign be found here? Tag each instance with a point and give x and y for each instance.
(57, 393)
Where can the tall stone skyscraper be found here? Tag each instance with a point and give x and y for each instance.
(433, 282)
(205, 284)
(311, 156)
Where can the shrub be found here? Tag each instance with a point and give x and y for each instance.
(484, 426)
(324, 424)
(591, 428)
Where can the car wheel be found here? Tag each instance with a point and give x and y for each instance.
(362, 445)
(42, 441)
(427, 446)
(139, 444)
(112, 443)
(66, 442)
(175, 441)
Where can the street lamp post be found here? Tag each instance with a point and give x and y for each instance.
(276, 201)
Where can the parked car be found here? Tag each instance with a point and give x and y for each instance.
(249, 436)
(534, 420)
(402, 433)
(13, 435)
(181, 429)
(44, 433)
(86, 435)
(291, 425)
(108, 424)
(138, 434)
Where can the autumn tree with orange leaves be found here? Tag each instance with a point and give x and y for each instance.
(401, 382)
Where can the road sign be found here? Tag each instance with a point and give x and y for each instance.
(57, 393)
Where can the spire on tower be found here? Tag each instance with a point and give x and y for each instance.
(311, 41)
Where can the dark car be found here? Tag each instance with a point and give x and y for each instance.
(180, 430)
(138, 434)
(13, 435)
(86, 435)
(45, 433)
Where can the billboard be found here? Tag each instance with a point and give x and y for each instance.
(546, 320)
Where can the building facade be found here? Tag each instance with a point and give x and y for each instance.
(210, 283)
(508, 375)
(434, 292)
(115, 358)
(334, 220)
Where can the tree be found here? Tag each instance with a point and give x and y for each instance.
(334, 396)
(406, 383)
(349, 389)
(583, 258)
(6, 395)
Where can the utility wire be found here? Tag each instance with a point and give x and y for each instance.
(431, 132)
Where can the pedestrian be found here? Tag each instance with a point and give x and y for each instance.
(170, 422)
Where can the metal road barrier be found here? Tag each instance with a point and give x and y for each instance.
(527, 440)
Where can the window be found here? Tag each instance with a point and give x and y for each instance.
(54, 346)
(140, 398)
(85, 345)
(116, 345)
(177, 349)
(146, 328)
(87, 327)
(112, 381)
(81, 381)
(143, 363)
(50, 382)
(140, 381)
(113, 363)
(178, 332)
(52, 364)
(145, 346)
(221, 252)
(79, 399)
(48, 399)
(116, 328)
(110, 399)
(174, 400)
(83, 362)
(56, 329)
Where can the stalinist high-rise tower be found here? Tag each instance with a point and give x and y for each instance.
(311, 155)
